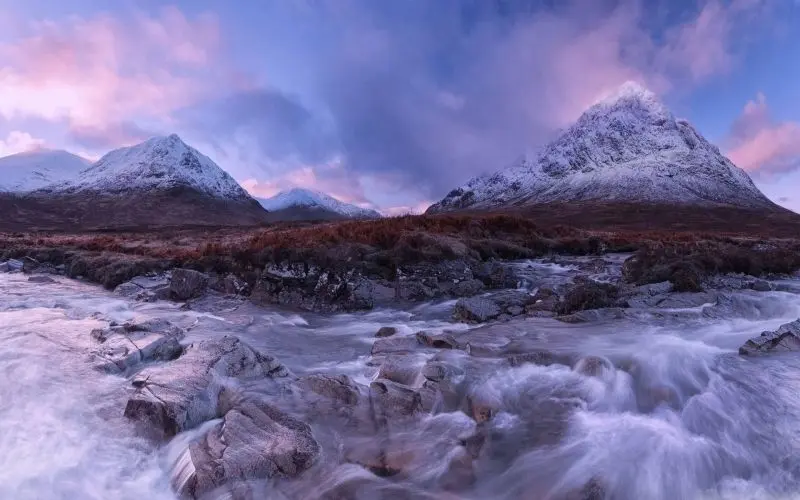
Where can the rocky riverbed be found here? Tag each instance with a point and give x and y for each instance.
(564, 381)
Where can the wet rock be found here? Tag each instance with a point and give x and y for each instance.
(11, 266)
(588, 294)
(785, 338)
(544, 301)
(43, 278)
(593, 315)
(394, 345)
(120, 353)
(313, 289)
(386, 331)
(437, 340)
(761, 286)
(468, 288)
(415, 291)
(254, 441)
(340, 388)
(401, 369)
(496, 275)
(394, 400)
(229, 285)
(180, 395)
(187, 284)
(145, 288)
(476, 310)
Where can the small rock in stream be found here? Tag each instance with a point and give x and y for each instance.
(785, 338)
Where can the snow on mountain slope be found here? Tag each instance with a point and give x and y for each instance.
(626, 148)
(160, 163)
(32, 170)
(307, 198)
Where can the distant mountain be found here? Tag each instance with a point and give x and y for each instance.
(159, 183)
(32, 170)
(307, 204)
(628, 148)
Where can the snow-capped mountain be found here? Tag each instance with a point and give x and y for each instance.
(159, 164)
(315, 200)
(626, 148)
(32, 170)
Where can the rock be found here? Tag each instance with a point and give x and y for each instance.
(437, 341)
(120, 353)
(386, 331)
(339, 388)
(475, 310)
(146, 288)
(544, 301)
(254, 441)
(229, 285)
(395, 400)
(187, 284)
(182, 394)
(595, 366)
(401, 369)
(468, 288)
(593, 315)
(588, 294)
(394, 345)
(496, 275)
(761, 286)
(42, 278)
(12, 266)
(785, 338)
(542, 358)
(312, 289)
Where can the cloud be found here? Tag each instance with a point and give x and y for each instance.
(436, 92)
(759, 143)
(19, 142)
(96, 73)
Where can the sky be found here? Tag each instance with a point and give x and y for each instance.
(391, 104)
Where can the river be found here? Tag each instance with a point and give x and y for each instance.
(676, 413)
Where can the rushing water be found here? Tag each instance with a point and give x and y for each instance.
(675, 414)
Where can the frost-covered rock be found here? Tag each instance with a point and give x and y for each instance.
(11, 266)
(187, 284)
(627, 148)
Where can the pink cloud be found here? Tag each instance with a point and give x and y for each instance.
(95, 71)
(759, 143)
(19, 142)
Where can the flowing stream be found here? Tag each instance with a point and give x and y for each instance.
(669, 411)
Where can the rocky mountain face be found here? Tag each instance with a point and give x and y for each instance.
(627, 148)
(161, 182)
(307, 204)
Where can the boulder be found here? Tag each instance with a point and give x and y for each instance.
(228, 284)
(187, 284)
(437, 340)
(467, 288)
(386, 331)
(476, 310)
(587, 294)
(121, 352)
(254, 441)
(394, 345)
(785, 338)
(182, 394)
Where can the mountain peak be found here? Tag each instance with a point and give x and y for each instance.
(313, 199)
(626, 148)
(631, 95)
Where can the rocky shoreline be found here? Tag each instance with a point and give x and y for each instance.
(425, 418)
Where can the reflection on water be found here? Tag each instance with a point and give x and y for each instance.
(666, 409)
